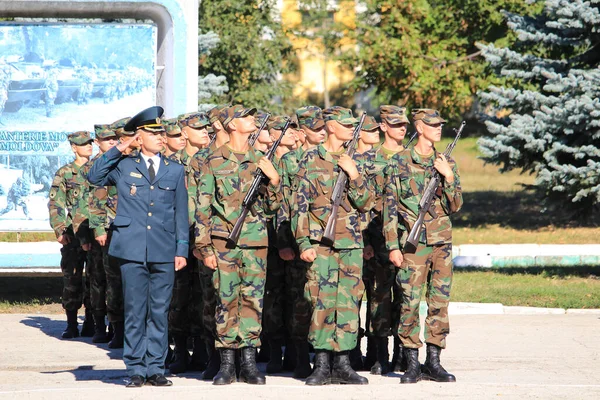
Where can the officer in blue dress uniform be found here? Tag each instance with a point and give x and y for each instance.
(149, 238)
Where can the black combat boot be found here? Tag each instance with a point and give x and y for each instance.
(249, 373)
(87, 328)
(303, 369)
(275, 362)
(100, 335)
(432, 369)
(322, 372)
(226, 373)
(382, 365)
(343, 373)
(179, 362)
(71, 331)
(117, 340)
(413, 368)
(199, 355)
(214, 361)
(289, 356)
(398, 359)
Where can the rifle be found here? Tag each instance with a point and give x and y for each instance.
(254, 136)
(411, 139)
(428, 199)
(212, 139)
(253, 192)
(337, 195)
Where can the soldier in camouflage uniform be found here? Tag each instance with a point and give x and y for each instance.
(86, 85)
(216, 122)
(297, 306)
(17, 196)
(102, 209)
(174, 140)
(406, 177)
(63, 193)
(334, 279)
(51, 90)
(185, 313)
(273, 320)
(106, 138)
(240, 272)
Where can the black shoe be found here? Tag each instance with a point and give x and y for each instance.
(117, 340)
(342, 372)
(432, 370)
(136, 381)
(275, 364)
(249, 373)
(382, 365)
(322, 372)
(214, 361)
(180, 360)
(199, 355)
(159, 380)
(413, 369)
(100, 335)
(399, 362)
(87, 328)
(303, 369)
(226, 374)
(289, 357)
(71, 330)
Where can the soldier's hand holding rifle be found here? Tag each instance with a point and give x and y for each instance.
(444, 168)
(349, 166)
(269, 170)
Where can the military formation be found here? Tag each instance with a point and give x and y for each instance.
(288, 229)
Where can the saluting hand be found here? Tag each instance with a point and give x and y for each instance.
(309, 255)
(396, 258)
(349, 166)
(124, 145)
(443, 167)
(180, 263)
(267, 167)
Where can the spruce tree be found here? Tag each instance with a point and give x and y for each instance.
(546, 118)
(210, 86)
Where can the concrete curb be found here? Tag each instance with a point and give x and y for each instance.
(458, 308)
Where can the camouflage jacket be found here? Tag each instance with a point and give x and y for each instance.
(406, 178)
(63, 194)
(183, 158)
(223, 185)
(193, 180)
(102, 209)
(288, 167)
(317, 173)
(80, 209)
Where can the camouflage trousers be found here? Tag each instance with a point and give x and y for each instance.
(72, 263)
(240, 284)
(97, 276)
(379, 275)
(209, 301)
(272, 322)
(335, 288)
(185, 312)
(431, 266)
(114, 285)
(297, 306)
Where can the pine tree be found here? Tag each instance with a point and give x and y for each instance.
(546, 118)
(209, 86)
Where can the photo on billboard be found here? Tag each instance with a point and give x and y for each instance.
(56, 79)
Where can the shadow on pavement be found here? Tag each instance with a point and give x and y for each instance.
(88, 373)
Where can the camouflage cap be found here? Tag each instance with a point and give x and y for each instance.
(259, 117)
(427, 115)
(277, 122)
(119, 125)
(393, 114)
(238, 111)
(215, 113)
(80, 138)
(340, 114)
(370, 124)
(172, 126)
(195, 120)
(103, 131)
(310, 116)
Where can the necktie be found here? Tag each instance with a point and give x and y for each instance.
(151, 170)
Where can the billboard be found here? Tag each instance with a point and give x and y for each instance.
(56, 79)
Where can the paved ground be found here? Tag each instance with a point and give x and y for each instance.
(492, 356)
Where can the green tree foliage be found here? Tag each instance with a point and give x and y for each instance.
(547, 121)
(422, 53)
(252, 53)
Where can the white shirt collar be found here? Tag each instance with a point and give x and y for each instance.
(155, 159)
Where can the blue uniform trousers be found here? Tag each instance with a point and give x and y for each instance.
(147, 290)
